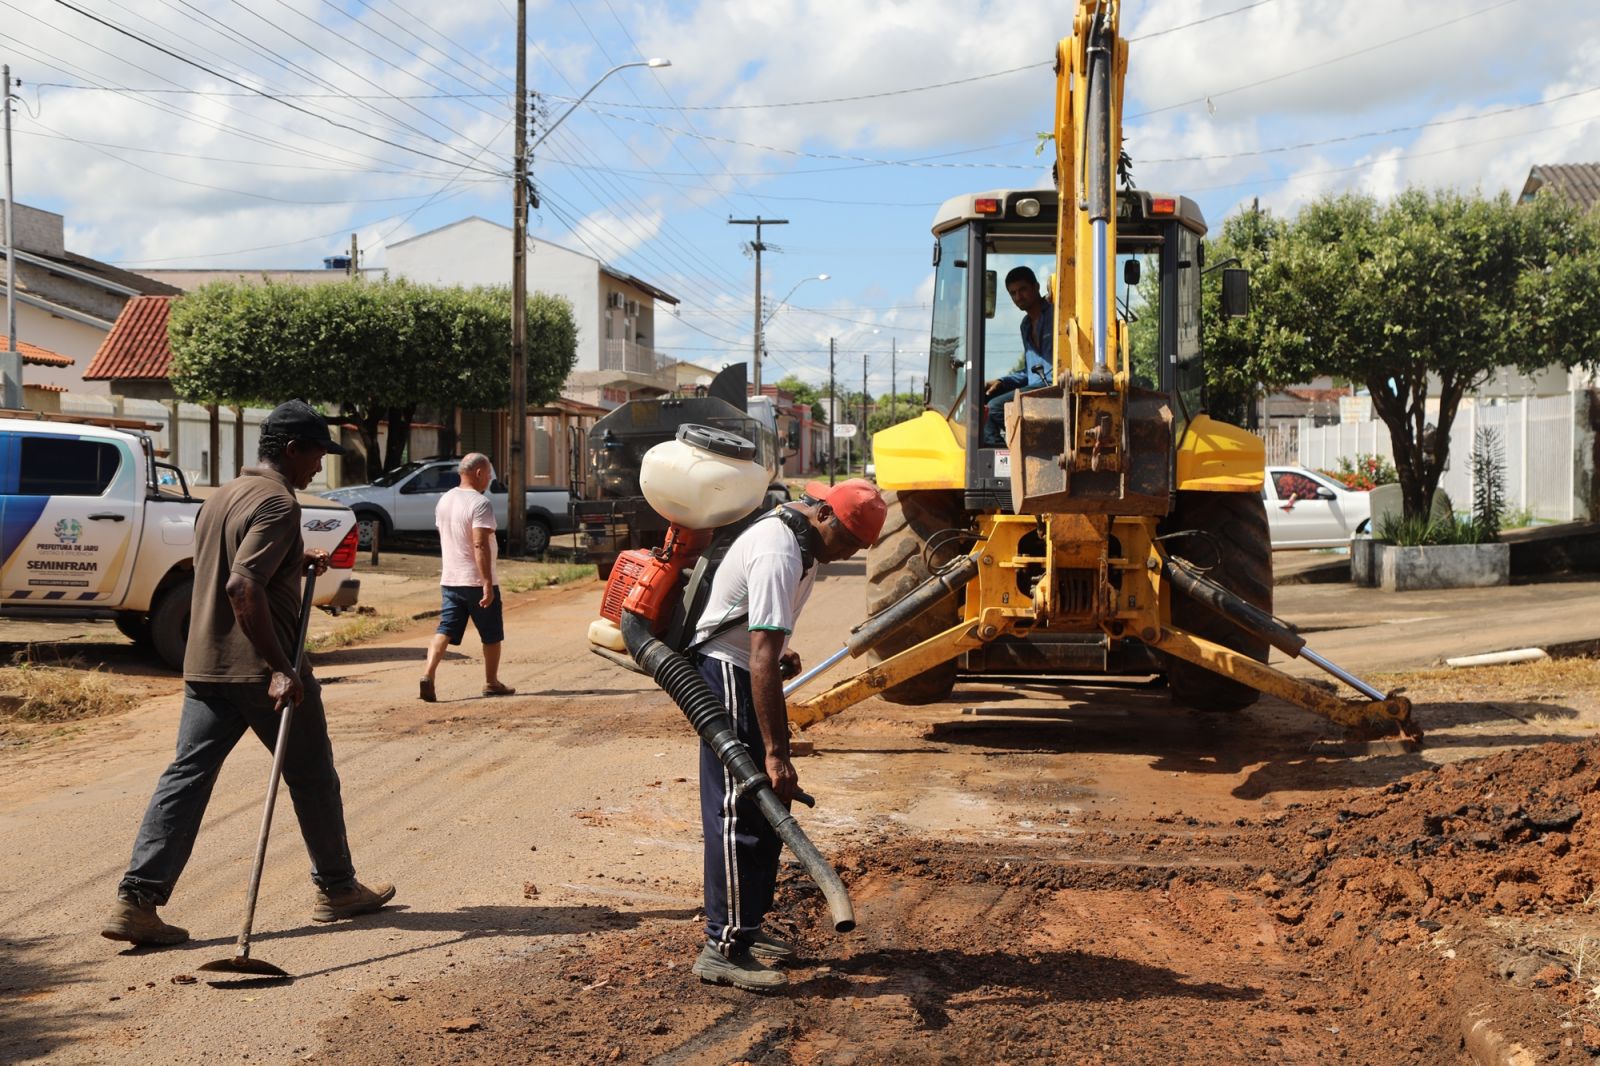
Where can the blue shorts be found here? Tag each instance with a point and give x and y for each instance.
(461, 603)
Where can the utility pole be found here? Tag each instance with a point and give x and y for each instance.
(757, 247)
(862, 429)
(894, 381)
(833, 411)
(517, 475)
(354, 269)
(11, 359)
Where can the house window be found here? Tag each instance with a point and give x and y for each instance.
(608, 325)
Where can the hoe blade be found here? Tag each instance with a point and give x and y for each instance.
(244, 966)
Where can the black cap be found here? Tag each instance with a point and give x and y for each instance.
(297, 420)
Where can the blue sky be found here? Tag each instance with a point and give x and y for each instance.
(394, 117)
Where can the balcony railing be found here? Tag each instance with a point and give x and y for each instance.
(633, 358)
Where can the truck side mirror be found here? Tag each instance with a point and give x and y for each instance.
(989, 283)
(1130, 272)
(1235, 293)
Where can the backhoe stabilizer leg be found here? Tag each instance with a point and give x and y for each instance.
(1380, 717)
(939, 648)
(1193, 583)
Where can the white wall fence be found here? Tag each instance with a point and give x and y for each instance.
(1546, 442)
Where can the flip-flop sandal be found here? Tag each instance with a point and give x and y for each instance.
(497, 689)
(425, 690)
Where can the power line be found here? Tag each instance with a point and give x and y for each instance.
(1394, 158)
(266, 95)
(1323, 63)
(1377, 133)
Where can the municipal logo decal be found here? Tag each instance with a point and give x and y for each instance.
(68, 530)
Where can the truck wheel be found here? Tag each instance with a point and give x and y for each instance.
(366, 526)
(1240, 553)
(535, 536)
(896, 564)
(134, 626)
(169, 622)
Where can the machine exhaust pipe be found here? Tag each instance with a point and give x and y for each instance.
(680, 680)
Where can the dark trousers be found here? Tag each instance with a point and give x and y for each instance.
(741, 848)
(214, 717)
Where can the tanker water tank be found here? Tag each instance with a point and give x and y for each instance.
(703, 479)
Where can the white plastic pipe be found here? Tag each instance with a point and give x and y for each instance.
(1500, 658)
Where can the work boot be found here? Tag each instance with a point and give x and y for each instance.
(766, 946)
(741, 971)
(356, 898)
(138, 923)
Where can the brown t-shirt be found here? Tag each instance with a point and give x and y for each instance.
(251, 527)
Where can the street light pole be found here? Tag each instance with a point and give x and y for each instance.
(833, 412)
(517, 486)
(11, 359)
(757, 247)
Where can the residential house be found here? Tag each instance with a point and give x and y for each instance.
(66, 302)
(39, 395)
(615, 311)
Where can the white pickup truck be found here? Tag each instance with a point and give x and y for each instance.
(403, 501)
(92, 526)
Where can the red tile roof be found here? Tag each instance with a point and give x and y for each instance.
(33, 355)
(136, 349)
(47, 388)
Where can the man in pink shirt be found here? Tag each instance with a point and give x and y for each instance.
(467, 578)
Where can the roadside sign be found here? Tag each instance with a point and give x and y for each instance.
(844, 430)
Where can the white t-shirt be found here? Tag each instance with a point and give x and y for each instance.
(762, 572)
(458, 513)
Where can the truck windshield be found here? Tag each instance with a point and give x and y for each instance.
(399, 473)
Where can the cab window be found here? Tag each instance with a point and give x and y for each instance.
(62, 466)
(947, 370)
(1003, 330)
(440, 478)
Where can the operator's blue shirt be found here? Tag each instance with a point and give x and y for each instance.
(1038, 359)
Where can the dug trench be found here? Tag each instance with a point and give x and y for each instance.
(1443, 917)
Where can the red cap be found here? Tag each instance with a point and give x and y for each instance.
(858, 504)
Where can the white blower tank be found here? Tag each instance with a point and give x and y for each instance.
(702, 479)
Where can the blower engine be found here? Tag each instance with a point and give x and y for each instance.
(701, 480)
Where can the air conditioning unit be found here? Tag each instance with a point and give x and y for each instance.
(614, 299)
(633, 307)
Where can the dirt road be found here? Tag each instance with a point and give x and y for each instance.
(1094, 878)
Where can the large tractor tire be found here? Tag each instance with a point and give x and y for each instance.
(1239, 554)
(896, 564)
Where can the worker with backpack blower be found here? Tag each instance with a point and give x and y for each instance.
(740, 645)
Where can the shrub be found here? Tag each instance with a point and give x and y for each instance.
(1421, 531)
(1488, 482)
(1364, 472)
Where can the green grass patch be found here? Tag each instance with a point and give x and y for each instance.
(525, 576)
(358, 630)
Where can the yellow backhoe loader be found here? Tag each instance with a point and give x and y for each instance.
(1110, 525)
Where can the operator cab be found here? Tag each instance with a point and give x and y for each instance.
(978, 333)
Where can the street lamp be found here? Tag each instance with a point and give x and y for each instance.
(802, 281)
(516, 497)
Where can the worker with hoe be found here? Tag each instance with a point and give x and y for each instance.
(741, 648)
(238, 668)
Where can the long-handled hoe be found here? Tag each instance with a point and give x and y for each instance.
(241, 963)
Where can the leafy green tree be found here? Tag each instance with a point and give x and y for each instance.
(1419, 301)
(380, 351)
(1241, 358)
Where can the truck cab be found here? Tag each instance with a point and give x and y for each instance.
(93, 526)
